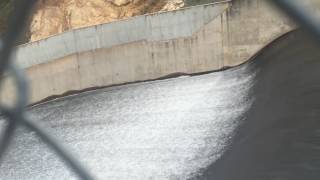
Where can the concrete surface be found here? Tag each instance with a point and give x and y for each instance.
(152, 27)
(165, 129)
(192, 40)
(259, 120)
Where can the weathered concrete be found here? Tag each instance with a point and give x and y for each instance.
(257, 121)
(196, 39)
(162, 130)
(149, 28)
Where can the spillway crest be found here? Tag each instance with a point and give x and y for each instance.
(259, 120)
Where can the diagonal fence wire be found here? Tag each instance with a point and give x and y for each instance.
(301, 14)
(16, 116)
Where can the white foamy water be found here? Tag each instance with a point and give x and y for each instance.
(169, 129)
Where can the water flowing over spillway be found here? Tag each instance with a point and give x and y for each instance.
(259, 120)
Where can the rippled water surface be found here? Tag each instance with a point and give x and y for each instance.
(169, 129)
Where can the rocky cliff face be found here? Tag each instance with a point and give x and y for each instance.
(55, 16)
(51, 17)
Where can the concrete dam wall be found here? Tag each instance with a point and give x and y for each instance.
(256, 121)
(192, 40)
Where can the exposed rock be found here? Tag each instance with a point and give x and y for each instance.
(55, 16)
(51, 17)
(120, 2)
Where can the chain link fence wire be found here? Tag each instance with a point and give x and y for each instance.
(301, 14)
(16, 116)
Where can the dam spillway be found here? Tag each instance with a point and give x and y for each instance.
(258, 120)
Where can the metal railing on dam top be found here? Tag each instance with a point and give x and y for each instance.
(16, 115)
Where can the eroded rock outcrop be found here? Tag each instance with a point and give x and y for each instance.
(55, 16)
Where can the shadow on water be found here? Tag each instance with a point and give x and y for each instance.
(280, 137)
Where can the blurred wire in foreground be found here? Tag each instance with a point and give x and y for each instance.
(301, 14)
(16, 115)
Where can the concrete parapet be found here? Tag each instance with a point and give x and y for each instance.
(191, 40)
